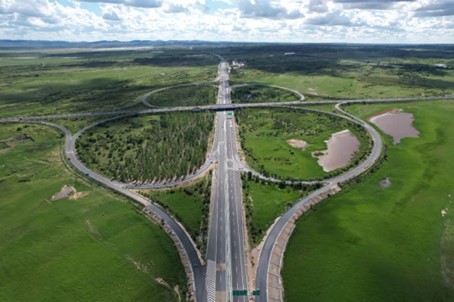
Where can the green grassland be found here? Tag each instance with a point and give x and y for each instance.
(75, 125)
(261, 94)
(96, 248)
(50, 83)
(370, 243)
(190, 205)
(148, 148)
(264, 134)
(349, 71)
(263, 203)
(193, 95)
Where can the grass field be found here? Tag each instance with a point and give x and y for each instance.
(193, 95)
(39, 83)
(348, 71)
(96, 248)
(190, 205)
(264, 134)
(148, 148)
(370, 243)
(261, 94)
(264, 203)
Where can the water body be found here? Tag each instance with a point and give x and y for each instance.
(397, 124)
(342, 146)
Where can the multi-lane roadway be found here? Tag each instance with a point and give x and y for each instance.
(226, 269)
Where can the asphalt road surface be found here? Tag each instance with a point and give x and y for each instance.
(226, 239)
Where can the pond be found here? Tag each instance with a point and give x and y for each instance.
(397, 124)
(342, 146)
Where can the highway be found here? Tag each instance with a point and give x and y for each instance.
(225, 251)
(225, 267)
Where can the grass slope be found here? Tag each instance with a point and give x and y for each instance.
(96, 248)
(374, 244)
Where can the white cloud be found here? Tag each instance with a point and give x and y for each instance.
(134, 3)
(236, 20)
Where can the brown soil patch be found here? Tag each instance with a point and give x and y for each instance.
(297, 143)
(78, 195)
(68, 192)
(65, 192)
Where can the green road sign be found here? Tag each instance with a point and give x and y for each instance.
(256, 292)
(239, 292)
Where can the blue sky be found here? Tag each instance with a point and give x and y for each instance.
(360, 21)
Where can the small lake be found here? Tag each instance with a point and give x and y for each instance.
(397, 124)
(342, 146)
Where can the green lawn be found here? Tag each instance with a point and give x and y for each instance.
(96, 248)
(264, 134)
(384, 244)
(264, 202)
(190, 205)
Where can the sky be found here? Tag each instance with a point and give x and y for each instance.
(313, 21)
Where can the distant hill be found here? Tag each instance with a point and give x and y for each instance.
(31, 44)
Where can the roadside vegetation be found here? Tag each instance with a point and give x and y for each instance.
(348, 71)
(75, 125)
(189, 205)
(149, 148)
(261, 94)
(372, 242)
(55, 82)
(192, 95)
(264, 135)
(264, 202)
(93, 246)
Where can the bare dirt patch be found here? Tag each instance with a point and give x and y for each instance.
(385, 183)
(68, 192)
(78, 195)
(65, 192)
(297, 143)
